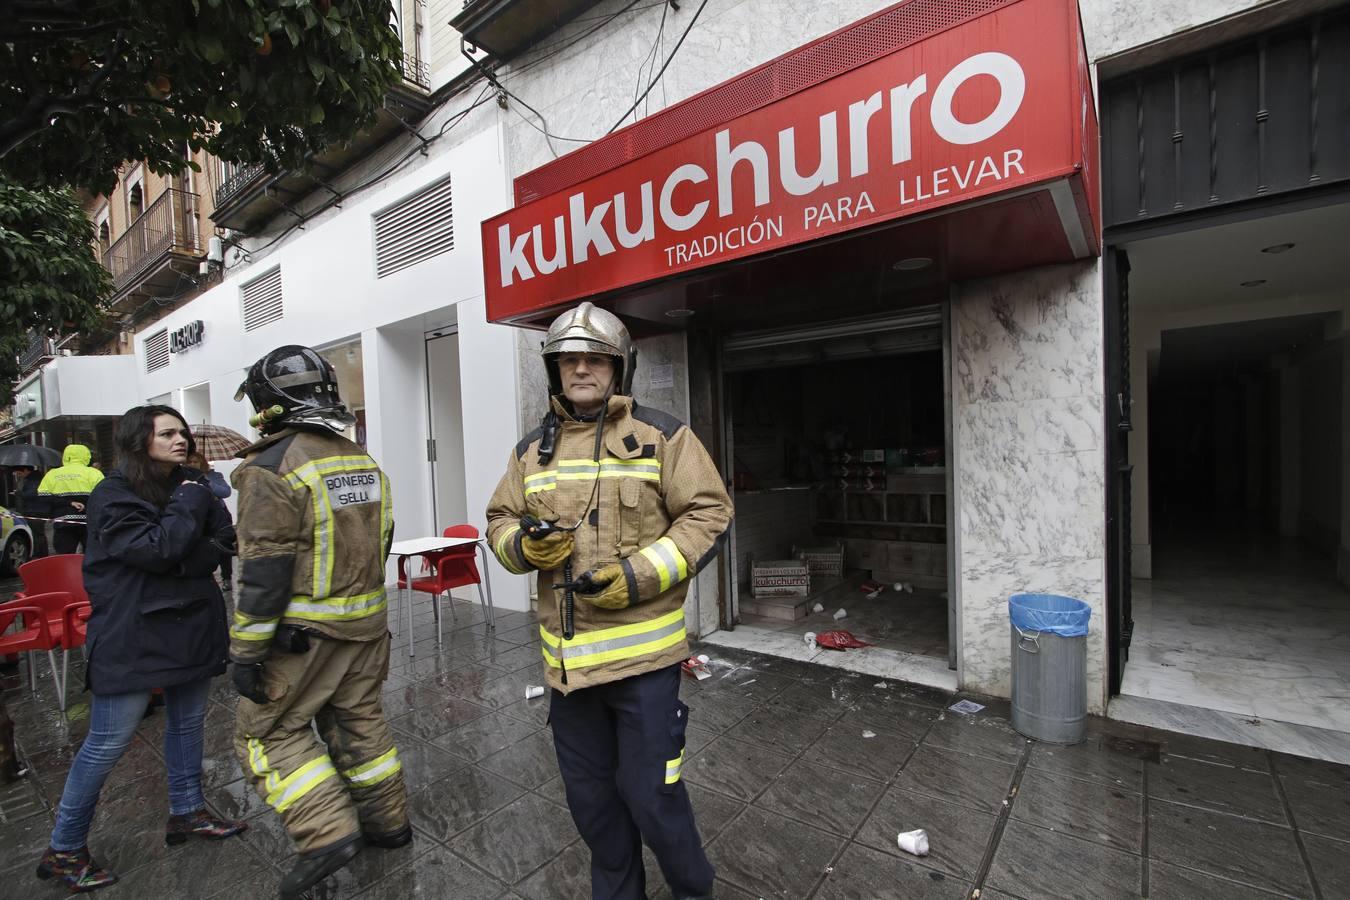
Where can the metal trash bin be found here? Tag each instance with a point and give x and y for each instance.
(1049, 667)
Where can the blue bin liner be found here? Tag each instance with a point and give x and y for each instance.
(1063, 616)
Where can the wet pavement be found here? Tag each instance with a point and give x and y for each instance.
(801, 777)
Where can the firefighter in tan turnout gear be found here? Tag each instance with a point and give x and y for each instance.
(617, 506)
(310, 638)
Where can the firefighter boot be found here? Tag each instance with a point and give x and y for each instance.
(313, 867)
(389, 840)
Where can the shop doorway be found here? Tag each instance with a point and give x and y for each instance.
(445, 444)
(835, 448)
(1241, 598)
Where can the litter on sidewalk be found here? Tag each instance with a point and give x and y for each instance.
(915, 842)
(534, 690)
(838, 640)
(966, 707)
(840, 613)
(697, 667)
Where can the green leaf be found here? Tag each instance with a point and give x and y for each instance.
(211, 47)
(316, 114)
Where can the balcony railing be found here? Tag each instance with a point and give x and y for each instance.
(416, 71)
(168, 226)
(242, 177)
(39, 349)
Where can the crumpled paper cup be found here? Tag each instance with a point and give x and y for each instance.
(915, 842)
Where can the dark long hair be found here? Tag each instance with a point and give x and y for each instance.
(134, 432)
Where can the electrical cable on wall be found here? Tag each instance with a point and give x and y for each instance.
(494, 81)
(568, 43)
(373, 180)
(674, 50)
(649, 62)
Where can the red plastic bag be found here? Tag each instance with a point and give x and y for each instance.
(839, 640)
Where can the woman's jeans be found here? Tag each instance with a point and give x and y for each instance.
(112, 725)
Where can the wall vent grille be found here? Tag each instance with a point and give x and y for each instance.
(262, 300)
(157, 350)
(414, 229)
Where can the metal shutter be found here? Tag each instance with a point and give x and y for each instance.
(262, 300)
(414, 229)
(908, 331)
(157, 350)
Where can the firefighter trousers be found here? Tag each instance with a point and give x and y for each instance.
(620, 747)
(326, 793)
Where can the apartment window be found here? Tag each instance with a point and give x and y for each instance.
(135, 203)
(104, 235)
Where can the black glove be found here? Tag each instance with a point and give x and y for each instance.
(247, 679)
(291, 639)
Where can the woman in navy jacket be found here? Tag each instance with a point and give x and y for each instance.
(156, 535)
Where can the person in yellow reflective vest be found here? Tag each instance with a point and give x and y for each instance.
(310, 637)
(617, 506)
(66, 490)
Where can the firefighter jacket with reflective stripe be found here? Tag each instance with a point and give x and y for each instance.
(315, 524)
(653, 501)
(73, 480)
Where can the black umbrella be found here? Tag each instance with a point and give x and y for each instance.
(30, 455)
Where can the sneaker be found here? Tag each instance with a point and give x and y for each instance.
(76, 870)
(312, 868)
(203, 825)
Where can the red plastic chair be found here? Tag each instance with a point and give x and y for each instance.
(62, 574)
(32, 634)
(36, 613)
(452, 568)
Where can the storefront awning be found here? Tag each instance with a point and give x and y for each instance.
(964, 134)
(76, 388)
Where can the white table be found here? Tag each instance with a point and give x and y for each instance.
(412, 547)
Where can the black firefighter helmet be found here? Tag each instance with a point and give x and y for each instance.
(294, 385)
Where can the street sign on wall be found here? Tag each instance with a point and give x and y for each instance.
(995, 105)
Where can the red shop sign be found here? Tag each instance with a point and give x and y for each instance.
(1000, 103)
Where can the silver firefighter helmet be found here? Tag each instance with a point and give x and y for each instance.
(588, 329)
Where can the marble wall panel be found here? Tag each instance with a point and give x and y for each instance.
(1030, 476)
(1110, 26)
(1032, 336)
(988, 580)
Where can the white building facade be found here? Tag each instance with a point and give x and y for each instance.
(1029, 356)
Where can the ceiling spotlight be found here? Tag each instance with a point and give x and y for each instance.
(912, 264)
(1255, 282)
(679, 313)
(1277, 248)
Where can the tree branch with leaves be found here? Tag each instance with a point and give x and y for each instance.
(86, 85)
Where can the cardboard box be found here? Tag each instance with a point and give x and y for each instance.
(822, 562)
(780, 578)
